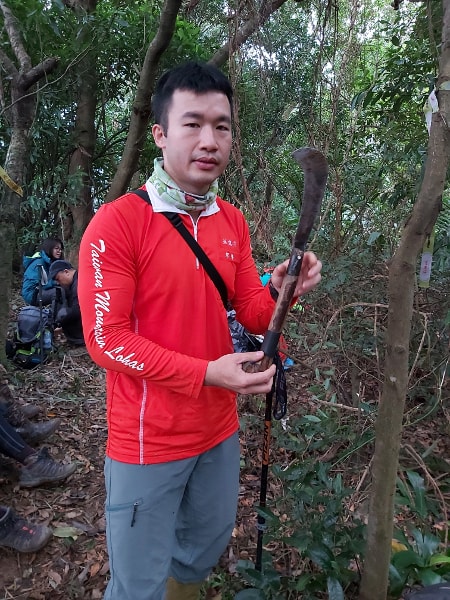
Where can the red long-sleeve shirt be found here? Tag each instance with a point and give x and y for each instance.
(153, 319)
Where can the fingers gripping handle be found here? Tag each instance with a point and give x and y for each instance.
(272, 336)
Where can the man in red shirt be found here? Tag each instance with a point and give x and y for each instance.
(153, 318)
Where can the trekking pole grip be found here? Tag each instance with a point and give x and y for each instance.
(273, 333)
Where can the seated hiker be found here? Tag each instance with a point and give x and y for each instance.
(69, 315)
(21, 535)
(37, 286)
(38, 467)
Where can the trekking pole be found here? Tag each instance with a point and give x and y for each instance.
(315, 168)
(261, 521)
(41, 320)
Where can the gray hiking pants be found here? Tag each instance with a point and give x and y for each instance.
(169, 519)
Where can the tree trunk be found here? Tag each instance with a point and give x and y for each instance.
(20, 114)
(84, 135)
(267, 9)
(374, 583)
(141, 112)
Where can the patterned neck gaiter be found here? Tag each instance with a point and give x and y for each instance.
(168, 190)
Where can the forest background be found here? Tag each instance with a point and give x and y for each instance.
(351, 78)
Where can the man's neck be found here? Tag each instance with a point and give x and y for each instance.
(195, 215)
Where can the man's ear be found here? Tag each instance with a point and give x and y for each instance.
(159, 135)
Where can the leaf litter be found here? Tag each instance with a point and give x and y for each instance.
(74, 564)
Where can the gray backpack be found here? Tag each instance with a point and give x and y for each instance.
(32, 342)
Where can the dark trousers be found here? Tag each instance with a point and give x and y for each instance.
(11, 443)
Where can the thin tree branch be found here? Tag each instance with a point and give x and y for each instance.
(220, 57)
(69, 66)
(13, 31)
(33, 75)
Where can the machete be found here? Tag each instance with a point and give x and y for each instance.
(315, 168)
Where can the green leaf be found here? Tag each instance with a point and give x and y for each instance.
(401, 537)
(301, 583)
(429, 577)
(66, 532)
(358, 100)
(418, 485)
(368, 98)
(321, 556)
(367, 408)
(250, 594)
(335, 591)
(247, 569)
(397, 580)
(439, 559)
(268, 515)
(373, 237)
(407, 558)
(426, 543)
(297, 541)
(311, 419)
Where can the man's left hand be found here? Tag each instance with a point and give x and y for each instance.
(309, 274)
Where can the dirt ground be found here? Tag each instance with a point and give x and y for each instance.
(75, 562)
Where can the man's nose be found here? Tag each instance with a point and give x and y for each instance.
(208, 137)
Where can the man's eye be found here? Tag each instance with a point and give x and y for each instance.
(192, 125)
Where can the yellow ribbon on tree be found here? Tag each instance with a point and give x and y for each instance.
(10, 183)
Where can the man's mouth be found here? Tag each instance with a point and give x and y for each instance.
(206, 161)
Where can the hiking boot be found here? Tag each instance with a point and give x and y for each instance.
(17, 415)
(40, 468)
(21, 535)
(5, 392)
(182, 591)
(36, 432)
(30, 410)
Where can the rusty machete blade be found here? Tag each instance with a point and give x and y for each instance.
(315, 168)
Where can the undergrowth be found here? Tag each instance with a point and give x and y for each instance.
(321, 454)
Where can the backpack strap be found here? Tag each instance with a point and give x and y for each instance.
(279, 385)
(210, 269)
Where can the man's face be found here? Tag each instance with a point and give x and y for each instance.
(64, 278)
(196, 145)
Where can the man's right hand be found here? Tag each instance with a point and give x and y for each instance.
(227, 372)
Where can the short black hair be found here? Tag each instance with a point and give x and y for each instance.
(195, 76)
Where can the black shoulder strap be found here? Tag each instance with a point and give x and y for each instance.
(211, 270)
